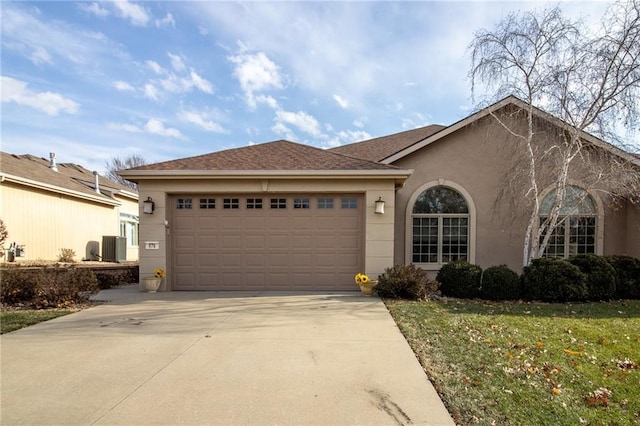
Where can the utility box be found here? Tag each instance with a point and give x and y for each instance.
(114, 249)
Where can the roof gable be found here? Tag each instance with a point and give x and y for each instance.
(509, 100)
(278, 155)
(378, 149)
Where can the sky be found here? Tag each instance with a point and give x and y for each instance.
(164, 80)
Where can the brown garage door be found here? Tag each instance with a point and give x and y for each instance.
(275, 242)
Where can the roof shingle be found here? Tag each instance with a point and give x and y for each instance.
(277, 155)
(69, 176)
(378, 149)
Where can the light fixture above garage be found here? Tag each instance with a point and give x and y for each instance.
(148, 206)
(379, 206)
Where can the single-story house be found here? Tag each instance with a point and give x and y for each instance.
(287, 216)
(48, 206)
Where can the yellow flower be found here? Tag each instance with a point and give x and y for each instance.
(556, 391)
(362, 279)
(159, 273)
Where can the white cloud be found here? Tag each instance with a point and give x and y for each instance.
(359, 123)
(40, 56)
(123, 86)
(256, 72)
(151, 92)
(201, 83)
(156, 127)
(344, 104)
(267, 100)
(301, 120)
(202, 120)
(167, 20)
(155, 67)
(176, 62)
(345, 137)
(48, 102)
(280, 129)
(153, 126)
(131, 128)
(94, 8)
(132, 11)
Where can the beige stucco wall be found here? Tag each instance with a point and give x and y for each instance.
(379, 229)
(46, 222)
(476, 159)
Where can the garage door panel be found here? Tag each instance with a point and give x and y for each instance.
(207, 242)
(208, 224)
(254, 241)
(269, 248)
(231, 242)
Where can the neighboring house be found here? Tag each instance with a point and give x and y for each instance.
(286, 216)
(47, 207)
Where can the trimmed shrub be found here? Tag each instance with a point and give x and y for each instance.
(627, 275)
(460, 279)
(601, 277)
(405, 282)
(17, 287)
(500, 283)
(49, 287)
(108, 280)
(553, 280)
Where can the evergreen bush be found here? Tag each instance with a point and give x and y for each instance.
(627, 275)
(500, 283)
(553, 280)
(460, 279)
(601, 277)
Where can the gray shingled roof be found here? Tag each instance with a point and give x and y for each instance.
(278, 155)
(69, 177)
(378, 149)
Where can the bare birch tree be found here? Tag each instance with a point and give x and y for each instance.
(116, 164)
(589, 79)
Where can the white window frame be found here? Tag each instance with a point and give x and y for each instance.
(599, 216)
(130, 226)
(471, 254)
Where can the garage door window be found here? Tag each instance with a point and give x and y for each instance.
(207, 203)
(325, 203)
(231, 203)
(301, 203)
(184, 203)
(278, 203)
(349, 203)
(254, 203)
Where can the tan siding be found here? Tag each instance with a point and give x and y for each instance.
(46, 222)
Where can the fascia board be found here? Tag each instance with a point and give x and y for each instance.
(272, 174)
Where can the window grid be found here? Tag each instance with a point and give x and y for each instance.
(349, 203)
(325, 203)
(425, 239)
(207, 203)
(577, 238)
(301, 203)
(454, 238)
(231, 203)
(184, 203)
(254, 203)
(278, 203)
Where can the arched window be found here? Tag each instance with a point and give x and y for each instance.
(577, 223)
(440, 220)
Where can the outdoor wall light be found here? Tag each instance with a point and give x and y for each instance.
(379, 206)
(148, 206)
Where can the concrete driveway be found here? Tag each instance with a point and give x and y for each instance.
(217, 358)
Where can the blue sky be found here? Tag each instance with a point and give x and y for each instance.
(166, 80)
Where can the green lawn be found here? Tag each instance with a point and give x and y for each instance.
(529, 363)
(14, 320)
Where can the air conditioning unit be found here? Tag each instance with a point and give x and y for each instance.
(114, 249)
